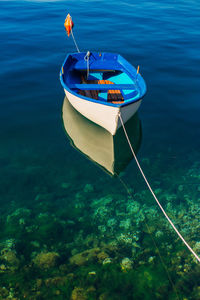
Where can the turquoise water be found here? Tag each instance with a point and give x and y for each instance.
(68, 229)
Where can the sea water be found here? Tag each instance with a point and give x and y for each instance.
(68, 229)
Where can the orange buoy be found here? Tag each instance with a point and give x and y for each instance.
(68, 24)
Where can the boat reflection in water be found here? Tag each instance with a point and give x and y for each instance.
(110, 152)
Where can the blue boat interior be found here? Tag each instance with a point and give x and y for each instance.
(111, 79)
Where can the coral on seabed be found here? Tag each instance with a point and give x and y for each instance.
(97, 240)
(197, 247)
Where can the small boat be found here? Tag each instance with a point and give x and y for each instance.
(101, 86)
(112, 153)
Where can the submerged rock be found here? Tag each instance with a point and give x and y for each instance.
(107, 260)
(9, 259)
(82, 258)
(8, 244)
(46, 260)
(151, 259)
(18, 214)
(78, 294)
(88, 256)
(102, 256)
(126, 264)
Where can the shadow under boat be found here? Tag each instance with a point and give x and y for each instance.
(112, 153)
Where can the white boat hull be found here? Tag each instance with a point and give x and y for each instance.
(103, 115)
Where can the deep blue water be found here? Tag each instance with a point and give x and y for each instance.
(41, 172)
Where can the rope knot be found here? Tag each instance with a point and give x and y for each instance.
(86, 58)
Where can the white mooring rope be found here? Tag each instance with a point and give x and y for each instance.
(162, 209)
(75, 41)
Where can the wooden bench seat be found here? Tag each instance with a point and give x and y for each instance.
(91, 89)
